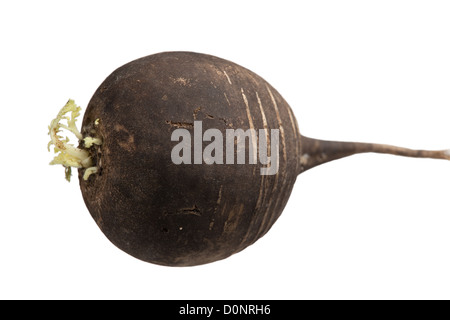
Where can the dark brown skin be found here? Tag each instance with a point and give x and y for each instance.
(185, 215)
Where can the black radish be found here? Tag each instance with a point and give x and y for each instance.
(185, 158)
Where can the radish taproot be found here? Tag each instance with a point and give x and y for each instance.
(204, 205)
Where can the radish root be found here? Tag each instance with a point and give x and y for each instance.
(316, 152)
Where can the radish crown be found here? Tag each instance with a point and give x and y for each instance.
(67, 154)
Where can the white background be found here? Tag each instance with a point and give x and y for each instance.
(365, 227)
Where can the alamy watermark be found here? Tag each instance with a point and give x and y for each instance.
(234, 145)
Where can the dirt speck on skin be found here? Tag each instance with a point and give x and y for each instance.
(182, 81)
(124, 138)
(226, 122)
(178, 124)
(194, 210)
(196, 112)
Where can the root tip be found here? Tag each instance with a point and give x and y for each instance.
(447, 154)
